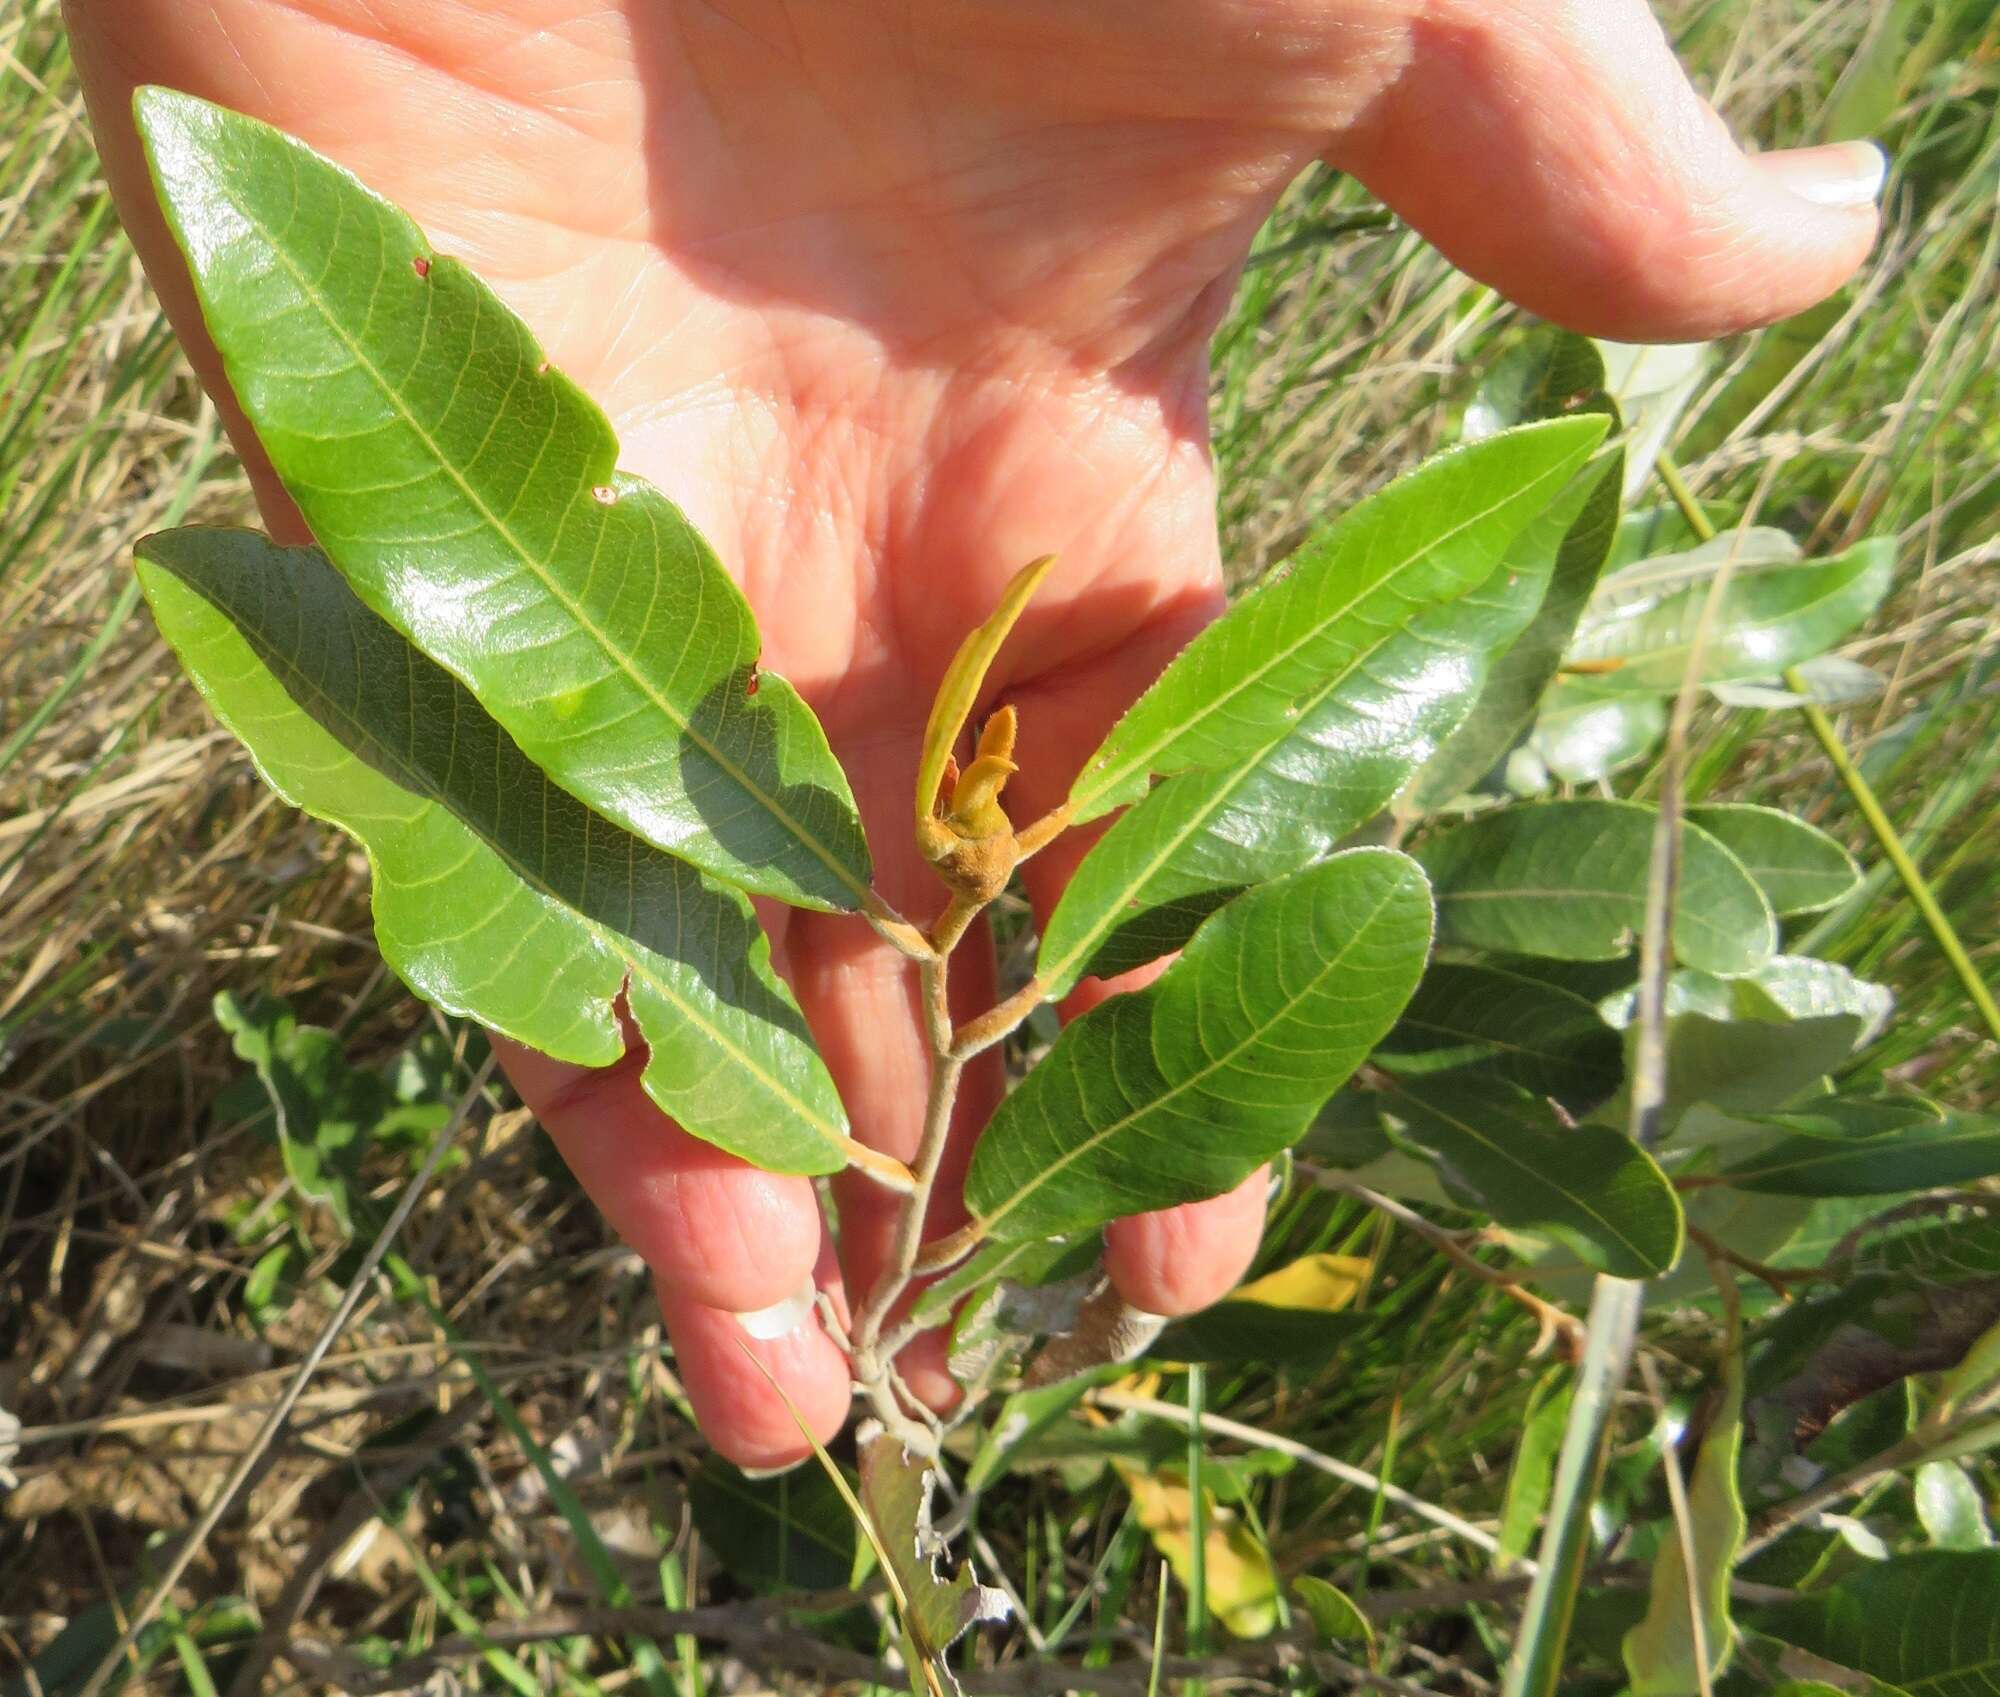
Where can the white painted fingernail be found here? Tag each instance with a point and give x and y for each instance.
(1859, 169)
(781, 1318)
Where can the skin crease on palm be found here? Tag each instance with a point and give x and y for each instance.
(894, 297)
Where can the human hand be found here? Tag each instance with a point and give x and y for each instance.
(891, 301)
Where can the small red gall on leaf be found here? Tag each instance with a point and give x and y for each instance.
(421, 266)
(604, 494)
(750, 686)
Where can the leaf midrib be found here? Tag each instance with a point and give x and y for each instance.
(1141, 761)
(1850, 1152)
(539, 569)
(1235, 777)
(1835, 586)
(620, 947)
(986, 1221)
(1521, 1166)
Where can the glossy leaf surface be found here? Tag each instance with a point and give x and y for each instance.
(1427, 538)
(1568, 879)
(496, 895)
(1180, 1090)
(1353, 742)
(1552, 374)
(471, 497)
(1799, 869)
(1582, 737)
(1504, 1153)
(1644, 621)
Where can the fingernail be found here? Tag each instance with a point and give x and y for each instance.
(781, 1318)
(774, 1472)
(1851, 174)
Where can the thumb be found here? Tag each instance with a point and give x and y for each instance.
(1555, 149)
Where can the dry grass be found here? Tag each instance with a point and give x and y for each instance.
(143, 870)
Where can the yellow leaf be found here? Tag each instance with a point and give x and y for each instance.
(964, 677)
(1241, 1587)
(1327, 1283)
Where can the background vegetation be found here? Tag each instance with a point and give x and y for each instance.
(162, 1268)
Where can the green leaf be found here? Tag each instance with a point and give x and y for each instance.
(1541, 1036)
(1280, 1340)
(1552, 373)
(1772, 613)
(1950, 1508)
(1292, 1318)
(1582, 737)
(1534, 1468)
(1917, 1623)
(1568, 879)
(1031, 1263)
(323, 1110)
(1182, 1089)
(788, 1533)
(1354, 739)
(1958, 1244)
(496, 895)
(1870, 1148)
(1660, 1652)
(1428, 537)
(896, 1491)
(471, 497)
(1335, 1615)
(1651, 384)
(1799, 869)
(1506, 1154)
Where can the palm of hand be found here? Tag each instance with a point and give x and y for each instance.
(890, 300)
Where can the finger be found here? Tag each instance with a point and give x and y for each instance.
(1559, 153)
(739, 1379)
(716, 1230)
(1179, 1260)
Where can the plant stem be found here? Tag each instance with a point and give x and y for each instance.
(1613, 1325)
(1915, 885)
(1032, 839)
(943, 1095)
(895, 929)
(1348, 1474)
(997, 1022)
(1554, 1321)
